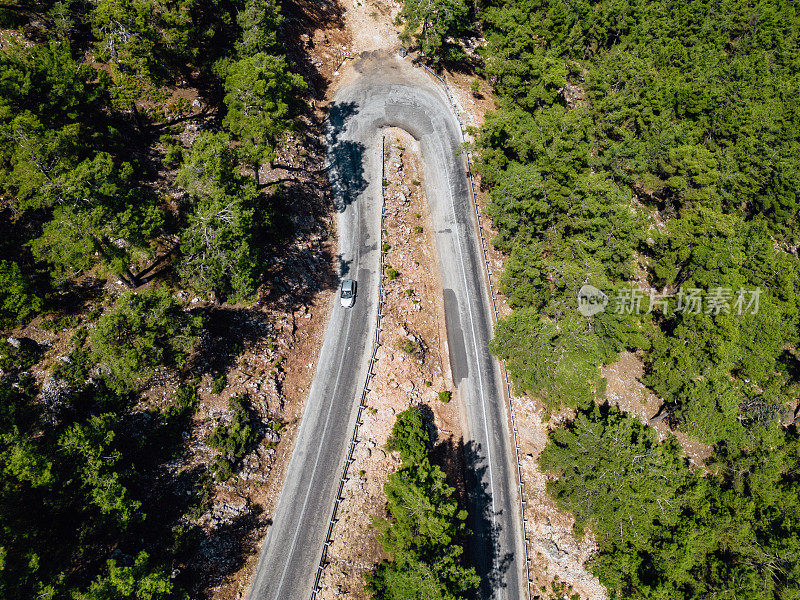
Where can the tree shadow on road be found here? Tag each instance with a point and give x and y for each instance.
(345, 159)
(302, 263)
(482, 548)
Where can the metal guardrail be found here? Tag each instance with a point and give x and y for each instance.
(376, 344)
(474, 197)
(323, 561)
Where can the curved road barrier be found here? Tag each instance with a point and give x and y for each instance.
(388, 92)
(507, 379)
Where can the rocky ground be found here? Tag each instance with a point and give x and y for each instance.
(625, 390)
(277, 369)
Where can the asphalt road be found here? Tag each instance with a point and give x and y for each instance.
(387, 91)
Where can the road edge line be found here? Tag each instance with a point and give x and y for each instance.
(508, 389)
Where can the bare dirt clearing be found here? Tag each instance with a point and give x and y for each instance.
(625, 390)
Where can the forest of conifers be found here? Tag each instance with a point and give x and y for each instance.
(96, 186)
(655, 144)
(649, 145)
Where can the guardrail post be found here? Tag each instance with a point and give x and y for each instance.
(317, 587)
(496, 314)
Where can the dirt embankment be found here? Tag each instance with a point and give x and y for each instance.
(279, 361)
(558, 559)
(400, 379)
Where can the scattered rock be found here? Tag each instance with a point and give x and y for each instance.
(551, 550)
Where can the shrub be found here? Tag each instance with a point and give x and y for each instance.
(185, 395)
(56, 324)
(17, 302)
(76, 368)
(475, 88)
(142, 331)
(408, 347)
(409, 436)
(392, 273)
(233, 440)
(173, 156)
(219, 382)
(444, 396)
(22, 358)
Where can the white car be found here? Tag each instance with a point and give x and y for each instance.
(348, 294)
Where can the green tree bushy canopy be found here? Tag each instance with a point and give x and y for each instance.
(432, 23)
(261, 97)
(77, 170)
(654, 146)
(665, 531)
(642, 144)
(127, 129)
(69, 495)
(423, 533)
(17, 301)
(218, 252)
(142, 331)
